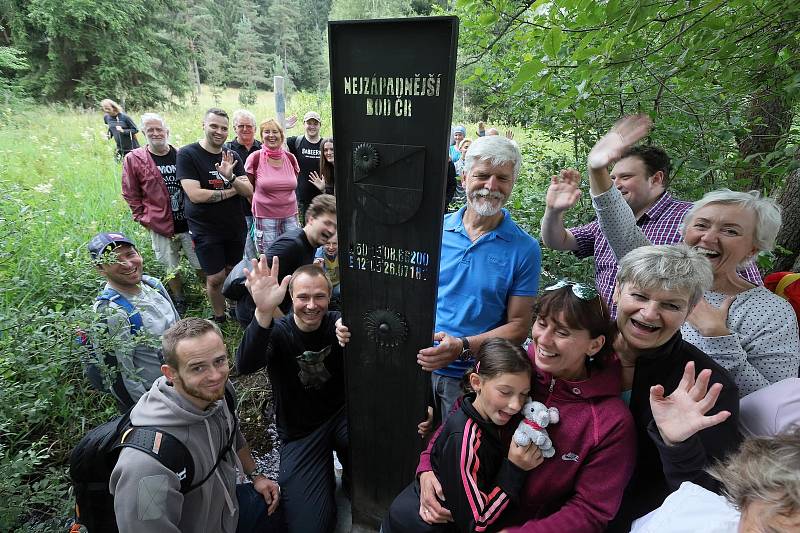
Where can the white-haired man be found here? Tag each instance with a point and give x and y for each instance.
(244, 144)
(488, 273)
(152, 190)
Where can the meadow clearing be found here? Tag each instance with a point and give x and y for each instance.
(60, 185)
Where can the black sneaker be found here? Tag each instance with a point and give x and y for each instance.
(219, 319)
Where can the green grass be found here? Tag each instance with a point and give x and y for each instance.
(60, 185)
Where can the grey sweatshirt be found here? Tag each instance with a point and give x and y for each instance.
(147, 495)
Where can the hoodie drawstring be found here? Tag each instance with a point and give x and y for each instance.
(228, 500)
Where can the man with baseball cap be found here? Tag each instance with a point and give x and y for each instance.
(307, 149)
(135, 310)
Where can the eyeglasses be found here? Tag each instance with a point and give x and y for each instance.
(581, 290)
(244, 127)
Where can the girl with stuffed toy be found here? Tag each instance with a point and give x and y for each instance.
(481, 475)
(575, 371)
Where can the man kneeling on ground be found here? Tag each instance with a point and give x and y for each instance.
(188, 401)
(306, 369)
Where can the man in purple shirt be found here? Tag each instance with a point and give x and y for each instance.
(641, 175)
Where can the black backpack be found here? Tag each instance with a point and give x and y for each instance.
(92, 461)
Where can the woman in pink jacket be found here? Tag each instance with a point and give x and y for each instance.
(579, 489)
(273, 172)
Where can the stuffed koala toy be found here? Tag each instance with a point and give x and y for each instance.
(532, 428)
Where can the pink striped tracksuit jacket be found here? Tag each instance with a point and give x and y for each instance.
(478, 480)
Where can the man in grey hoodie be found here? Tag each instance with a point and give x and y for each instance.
(188, 402)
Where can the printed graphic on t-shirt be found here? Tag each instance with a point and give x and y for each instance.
(215, 180)
(313, 373)
(166, 165)
(332, 269)
(311, 152)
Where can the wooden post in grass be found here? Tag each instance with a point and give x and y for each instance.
(392, 98)
(280, 100)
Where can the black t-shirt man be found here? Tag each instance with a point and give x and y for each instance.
(294, 251)
(221, 218)
(307, 154)
(166, 165)
(306, 369)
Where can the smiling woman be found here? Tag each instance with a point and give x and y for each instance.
(746, 328)
(273, 172)
(656, 288)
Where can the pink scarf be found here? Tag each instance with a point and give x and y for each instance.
(277, 153)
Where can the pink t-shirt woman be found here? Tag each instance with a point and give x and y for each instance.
(273, 173)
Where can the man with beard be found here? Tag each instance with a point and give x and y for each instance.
(151, 188)
(189, 403)
(488, 272)
(211, 178)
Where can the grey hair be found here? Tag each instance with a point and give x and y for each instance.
(494, 149)
(239, 113)
(669, 267)
(764, 469)
(768, 213)
(153, 116)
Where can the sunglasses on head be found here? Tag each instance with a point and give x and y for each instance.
(581, 290)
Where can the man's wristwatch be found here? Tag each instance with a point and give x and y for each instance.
(255, 473)
(466, 353)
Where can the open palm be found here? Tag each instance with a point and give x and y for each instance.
(625, 133)
(262, 282)
(683, 413)
(225, 167)
(564, 191)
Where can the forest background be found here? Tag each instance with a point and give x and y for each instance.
(721, 79)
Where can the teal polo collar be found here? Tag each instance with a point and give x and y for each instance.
(503, 231)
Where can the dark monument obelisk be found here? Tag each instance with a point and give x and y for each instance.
(392, 87)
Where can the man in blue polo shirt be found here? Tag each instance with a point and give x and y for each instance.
(488, 272)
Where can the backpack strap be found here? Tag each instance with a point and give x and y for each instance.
(134, 316)
(163, 447)
(785, 281)
(156, 284)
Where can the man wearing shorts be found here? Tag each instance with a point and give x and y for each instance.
(153, 193)
(212, 178)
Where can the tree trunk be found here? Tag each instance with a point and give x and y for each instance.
(769, 117)
(789, 234)
(196, 75)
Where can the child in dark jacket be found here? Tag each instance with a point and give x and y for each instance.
(480, 475)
